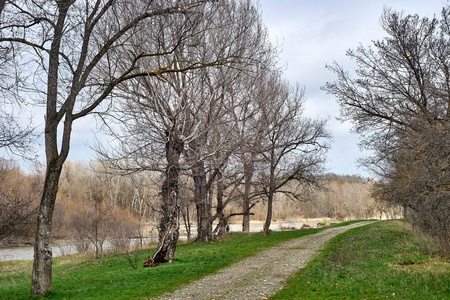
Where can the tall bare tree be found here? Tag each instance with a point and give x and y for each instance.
(294, 146)
(214, 105)
(70, 44)
(168, 123)
(251, 129)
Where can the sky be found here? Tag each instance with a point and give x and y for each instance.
(313, 33)
(310, 34)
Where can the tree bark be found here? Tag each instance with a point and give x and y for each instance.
(270, 195)
(186, 218)
(42, 265)
(168, 234)
(248, 176)
(268, 216)
(222, 227)
(170, 223)
(204, 226)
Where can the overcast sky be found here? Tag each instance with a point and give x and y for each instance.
(311, 34)
(315, 33)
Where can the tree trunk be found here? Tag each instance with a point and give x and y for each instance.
(248, 176)
(168, 233)
(186, 218)
(268, 216)
(222, 227)
(270, 195)
(170, 223)
(204, 226)
(42, 264)
(208, 212)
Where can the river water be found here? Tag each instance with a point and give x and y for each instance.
(59, 249)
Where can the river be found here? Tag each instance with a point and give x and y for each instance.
(59, 249)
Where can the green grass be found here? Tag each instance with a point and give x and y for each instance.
(378, 261)
(78, 277)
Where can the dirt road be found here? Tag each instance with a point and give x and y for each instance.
(260, 276)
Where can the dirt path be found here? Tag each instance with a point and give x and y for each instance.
(260, 276)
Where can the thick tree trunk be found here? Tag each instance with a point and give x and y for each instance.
(170, 223)
(168, 233)
(222, 227)
(42, 265)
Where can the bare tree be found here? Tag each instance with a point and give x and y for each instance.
(70, 44)
(92, 222)
(218, 97)
(294, 145)
(251, 129)
(172, 131)
(399, 102)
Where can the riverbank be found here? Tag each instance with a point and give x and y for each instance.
(82, 276)
(61, 248)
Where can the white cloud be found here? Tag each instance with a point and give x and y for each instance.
(312, 34)
(316, 33)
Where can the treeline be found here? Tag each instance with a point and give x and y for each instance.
(340, 197)
(94, 205)
(191, 94)
(19, 197)
(344, 178)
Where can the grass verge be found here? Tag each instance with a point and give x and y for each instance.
(378, 261)
(81, 277)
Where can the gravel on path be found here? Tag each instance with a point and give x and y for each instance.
(262, 275)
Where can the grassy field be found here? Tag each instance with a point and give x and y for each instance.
(112, 277)
(378, 261)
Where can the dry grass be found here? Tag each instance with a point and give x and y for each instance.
(433, 265)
